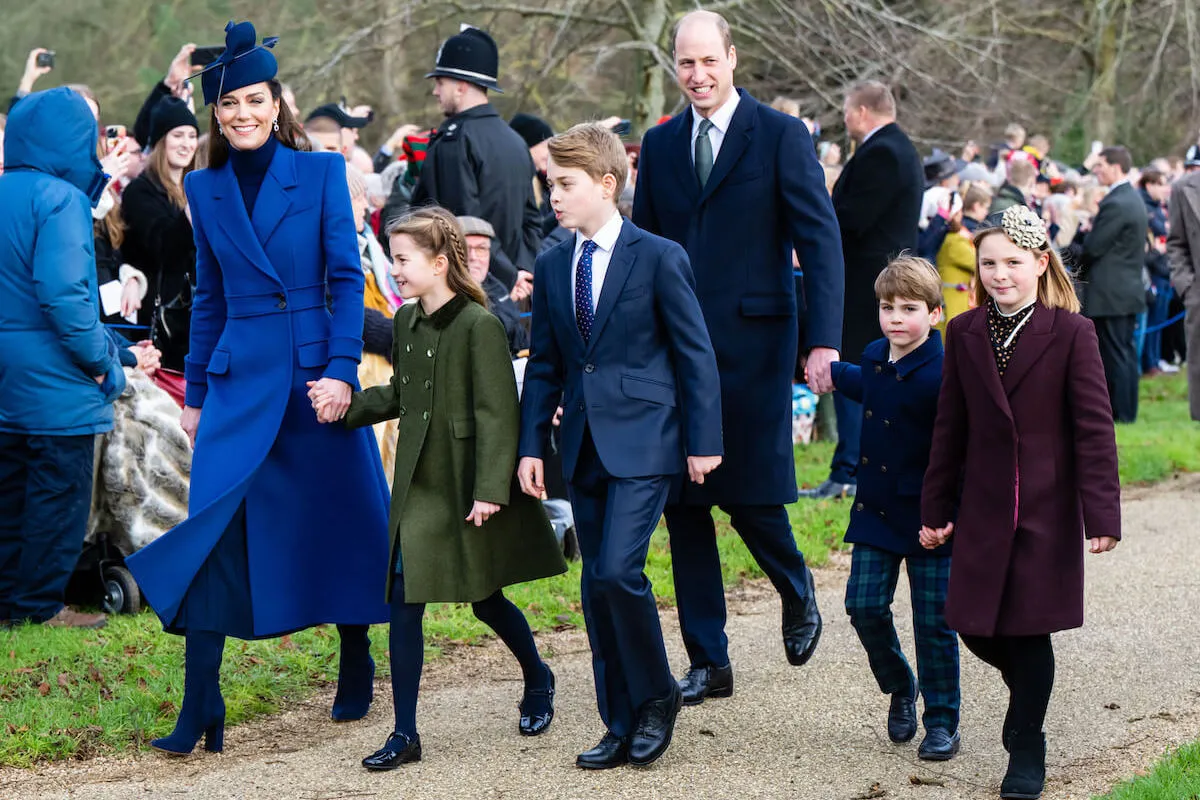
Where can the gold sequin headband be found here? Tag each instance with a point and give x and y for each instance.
(1024, 227)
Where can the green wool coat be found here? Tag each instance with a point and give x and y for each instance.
(456, 397)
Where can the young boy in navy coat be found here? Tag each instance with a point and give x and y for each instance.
(619, 342)
(898, 384)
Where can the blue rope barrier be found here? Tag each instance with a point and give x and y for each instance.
(129, 327)
(1167, 324)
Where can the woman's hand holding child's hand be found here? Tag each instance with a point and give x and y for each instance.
(330, 398)
(481, 511)
(935, 537)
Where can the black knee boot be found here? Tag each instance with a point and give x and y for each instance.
(356, 675)
(1026, 776)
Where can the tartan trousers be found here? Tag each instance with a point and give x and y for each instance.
(869, 594)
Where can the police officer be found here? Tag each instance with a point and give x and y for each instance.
(476, 165)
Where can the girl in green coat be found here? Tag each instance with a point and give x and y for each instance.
(459, 532)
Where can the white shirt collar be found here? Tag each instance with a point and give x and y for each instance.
(1118, 183)
(606, 237)
(721, 118)
(874, 131)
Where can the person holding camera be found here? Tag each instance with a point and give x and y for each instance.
(39, 62)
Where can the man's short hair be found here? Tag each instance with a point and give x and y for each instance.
(1151, 177)
(718, 20)
(911, 278)
(1119, 156)
(1014, 132)
(593, 148)
(1021, 172)
(322, 125)
(875, 96)
(977, 193)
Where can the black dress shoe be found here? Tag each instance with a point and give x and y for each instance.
(801, 626)
(399, 750)
(612, 751)
(537, 709)
(939, 744)
(703, 682)
(830, 490)
(902, 718)
(656, 724)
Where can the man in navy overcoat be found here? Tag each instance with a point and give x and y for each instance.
(738, 185)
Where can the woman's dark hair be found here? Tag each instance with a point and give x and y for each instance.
(290, 133)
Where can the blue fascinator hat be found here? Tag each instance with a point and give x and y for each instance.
(244, 62)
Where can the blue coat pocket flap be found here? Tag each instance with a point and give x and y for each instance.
(218, 362)
(767, 305)
(314, 354)
(651, 391)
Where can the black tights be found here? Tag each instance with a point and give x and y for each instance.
(1026, 664)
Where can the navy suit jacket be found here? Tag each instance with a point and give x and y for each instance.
(899, 408)
(765, 195)
(645, 383)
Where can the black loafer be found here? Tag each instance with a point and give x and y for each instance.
(704, 682)
(656, 726)
(939, 744)
(612, 751)
(399, 750)
(902, 718)
(801, 625)
(542, 700)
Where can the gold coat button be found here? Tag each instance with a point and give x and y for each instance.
(425, 416)
(403, 411)
(428, 384)
(429, 352)
(408, 348)
(404, 380)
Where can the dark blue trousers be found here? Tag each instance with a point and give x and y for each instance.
(614, 519)
(696, 564)
(1152, 348)
(869, 594)
(45, 499)
(844, 468)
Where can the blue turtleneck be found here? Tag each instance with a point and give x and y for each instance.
(250, 167)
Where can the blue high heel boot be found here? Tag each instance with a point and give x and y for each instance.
(203, 712)
(356, 675)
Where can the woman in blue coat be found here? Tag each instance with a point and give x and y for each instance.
(288, 517)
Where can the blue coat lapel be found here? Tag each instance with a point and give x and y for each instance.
(231, 216)
(619, 267)
(737, 138)
(274, 198)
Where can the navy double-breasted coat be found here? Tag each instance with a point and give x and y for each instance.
(279, 302)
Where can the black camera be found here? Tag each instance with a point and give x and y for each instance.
(46, 59)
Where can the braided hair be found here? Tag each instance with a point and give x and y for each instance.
(437, 232)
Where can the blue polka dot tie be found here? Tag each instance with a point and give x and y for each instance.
(584, 313)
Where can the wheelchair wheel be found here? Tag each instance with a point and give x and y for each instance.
(121, 592)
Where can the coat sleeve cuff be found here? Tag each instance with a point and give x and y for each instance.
(196, 377)
(498, 494)
(343, 369)
(348, 347)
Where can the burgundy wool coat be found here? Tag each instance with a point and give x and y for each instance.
(1029, 464)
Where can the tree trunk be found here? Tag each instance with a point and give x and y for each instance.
(650, 100)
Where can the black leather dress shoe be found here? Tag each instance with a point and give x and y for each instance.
(939, 744)
(537, 709)
(902, 718)
(801, 626)
(399, 750)
(656, 724)
(704, 682)
(612, 751)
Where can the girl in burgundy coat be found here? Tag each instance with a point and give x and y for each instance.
(1023, 467)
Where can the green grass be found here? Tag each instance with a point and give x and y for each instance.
(73, 694)
(1176, 777)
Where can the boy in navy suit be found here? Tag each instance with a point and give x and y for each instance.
(897, 385)
(619, 341)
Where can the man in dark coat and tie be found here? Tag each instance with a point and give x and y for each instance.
(738, 185)
(878, 203)
(1111, 273)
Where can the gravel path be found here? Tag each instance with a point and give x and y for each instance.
(1128, 688)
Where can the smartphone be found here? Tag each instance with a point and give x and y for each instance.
(1097, 146)
(46, 59)
(113, 134)
(203, 56)
(623, 128)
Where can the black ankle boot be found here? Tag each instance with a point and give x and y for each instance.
(203, 711)
(1026, 776)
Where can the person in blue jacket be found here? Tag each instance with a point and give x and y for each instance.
(288, 517)
(897, 385)
(59, 370)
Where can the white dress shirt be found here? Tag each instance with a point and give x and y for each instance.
(720, 120)
(606, 240)
(874, 131)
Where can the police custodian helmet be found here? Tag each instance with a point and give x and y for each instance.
(470, 55)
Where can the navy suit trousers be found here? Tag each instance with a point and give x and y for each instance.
(45, 500)
(699, 589)
(614, 519)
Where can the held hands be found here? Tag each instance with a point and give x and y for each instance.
(481, 511)
(818, 369)
(330, 399)
(531, 474)
(699, 466)
(935, 537)
(1101, 544)
(149, 357)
